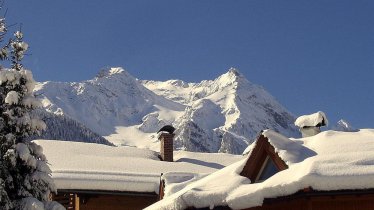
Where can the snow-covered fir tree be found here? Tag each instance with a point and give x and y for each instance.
(25, 181)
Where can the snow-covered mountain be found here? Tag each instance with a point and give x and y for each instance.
(343, 125)
(222, 115)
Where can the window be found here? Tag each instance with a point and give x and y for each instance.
(267, 170)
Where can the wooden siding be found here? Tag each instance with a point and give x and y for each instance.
(68, 200)
(339, 200)
(102, 200)
(315, 200)
(115, 202)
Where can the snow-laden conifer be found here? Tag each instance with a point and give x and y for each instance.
(25, 181)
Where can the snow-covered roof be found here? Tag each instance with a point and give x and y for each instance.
(87, 166)
(328, 161)
(311, 120)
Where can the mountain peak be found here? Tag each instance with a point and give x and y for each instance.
(231, 76)
(343, 125)
(110, 71)
(234, 71)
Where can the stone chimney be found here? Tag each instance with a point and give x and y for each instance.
(307, 131)
(166, 150)
(166, 137)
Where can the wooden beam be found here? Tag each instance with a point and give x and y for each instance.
(76, 202)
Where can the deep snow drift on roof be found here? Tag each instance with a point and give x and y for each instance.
(87, 166)
(334, 164)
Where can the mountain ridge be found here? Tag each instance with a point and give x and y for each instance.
(220, 115)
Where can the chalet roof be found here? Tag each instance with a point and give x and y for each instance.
(328, 161)
(87, 166)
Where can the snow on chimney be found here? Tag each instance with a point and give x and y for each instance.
(310, 125)
(166, 137)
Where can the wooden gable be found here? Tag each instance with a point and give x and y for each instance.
(262, 151)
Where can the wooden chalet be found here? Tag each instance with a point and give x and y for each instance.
(99, 177)
(307, 198)
(349, 185)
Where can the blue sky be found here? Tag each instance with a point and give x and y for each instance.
(311, 55)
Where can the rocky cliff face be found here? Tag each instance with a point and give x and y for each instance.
(221, 115)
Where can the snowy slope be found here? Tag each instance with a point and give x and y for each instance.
(222, 115)
(113, 103)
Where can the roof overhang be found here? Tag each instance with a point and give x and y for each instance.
(107, 192)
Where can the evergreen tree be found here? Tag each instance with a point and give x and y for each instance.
(25, 181)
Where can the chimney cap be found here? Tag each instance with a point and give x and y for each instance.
(167, 128)
(317, 119)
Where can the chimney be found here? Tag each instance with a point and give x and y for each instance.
(310, 125)
(166, 137)
(307, 131)
(166, 150)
